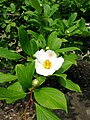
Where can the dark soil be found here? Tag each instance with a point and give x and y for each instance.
(78, 103)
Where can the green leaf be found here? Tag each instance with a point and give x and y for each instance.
(60, 25)
(82, 25)
(69, 85)
(10, 94)
(50, 21)
(61, 75)
(41, 42)
(56, 44)
(24, 40)
(41, 79)
(50, 98)
(13, 24)
(49, 11)
(13, 8)
(36, 5)
(72, 58)
(48, 29)
(25, 74)
(71, 29)
(72, 18)
(68, 61)
(53, 9)
(64, 40)
(76, 32)
(2, 1)
(30, 68)
(33, 46)
(34, 34)
(15, 87)
(8, 27)
(26, 17)
(22, 76)
(27, 2)
(46, 9)
(45, 114)
(67, 49)
(34, 21)
(7, 77)
(65, 22)
(65, 66)
(12, 55)
(51, 39)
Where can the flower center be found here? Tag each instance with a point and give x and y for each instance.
(47, 64)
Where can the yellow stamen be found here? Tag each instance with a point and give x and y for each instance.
(47, 64)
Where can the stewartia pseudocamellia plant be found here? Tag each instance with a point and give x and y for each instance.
(37, 65)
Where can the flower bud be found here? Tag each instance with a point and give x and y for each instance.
(35, 83)
(47, 48)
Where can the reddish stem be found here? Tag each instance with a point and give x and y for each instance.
(30, 99)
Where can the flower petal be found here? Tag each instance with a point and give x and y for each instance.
(57, 63)
(39, 53)
(51, 54)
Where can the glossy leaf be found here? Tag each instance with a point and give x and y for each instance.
(53, 9)
(72, 58)
(41, 42)
(36, 5)
(68, 61)
(7, 77)
(13, 8)
(25, 74)
(50, 98)
(65, 66)
(41, 79)
(71, 29)
(56, 44)
(82, 25)
(49, 11)
(51, 40)
(72, 18)
(22, 75)
(10, 94)
(67, 49)
(77, 31)
(12, 55)
(30, 68)
(61, 76)
(8, 28)
(33, 33)
(46, 9)
(69, 85)
(45, 114)
(24, 40)
(2, 1)
(15, 87)
(33, 46)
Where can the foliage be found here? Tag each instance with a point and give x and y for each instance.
(27, 27)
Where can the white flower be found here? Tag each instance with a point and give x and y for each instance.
(47, 63)
(39, 53)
